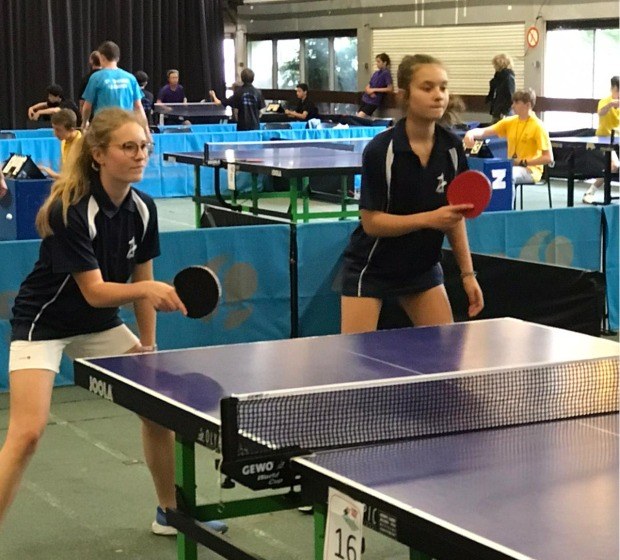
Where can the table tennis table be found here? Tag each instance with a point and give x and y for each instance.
(206, 112)
(601, 143)
(297, 162)
(490, 439)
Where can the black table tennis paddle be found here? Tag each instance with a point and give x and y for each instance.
(199, 289)
(470, 187)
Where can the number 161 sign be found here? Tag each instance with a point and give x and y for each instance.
(343, 534)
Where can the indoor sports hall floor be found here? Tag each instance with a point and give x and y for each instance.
(87, 494)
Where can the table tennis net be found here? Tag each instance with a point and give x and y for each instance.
(342, 416)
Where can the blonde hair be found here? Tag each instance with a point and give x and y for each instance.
(501, 61)
(74, 181)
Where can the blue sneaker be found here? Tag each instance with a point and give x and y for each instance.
(161, 527)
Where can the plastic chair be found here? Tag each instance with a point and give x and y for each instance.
(544, 180)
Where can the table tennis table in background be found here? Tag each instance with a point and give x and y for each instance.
(488, 439)
(203, 112)
(601, 143)
(297, 162)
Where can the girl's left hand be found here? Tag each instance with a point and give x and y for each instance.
(474, 295)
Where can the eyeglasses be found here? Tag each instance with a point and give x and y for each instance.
(131, 149)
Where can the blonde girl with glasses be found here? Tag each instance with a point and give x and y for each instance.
(99, 238)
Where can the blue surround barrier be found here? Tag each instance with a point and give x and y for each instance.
(253, 265)
(164, 179)
(612, 273)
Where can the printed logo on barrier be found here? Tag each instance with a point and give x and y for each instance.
(543, 247)
(499, 179)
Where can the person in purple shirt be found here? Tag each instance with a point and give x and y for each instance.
(173, 91)
(380, 84)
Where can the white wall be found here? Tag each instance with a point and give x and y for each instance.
(270, 17)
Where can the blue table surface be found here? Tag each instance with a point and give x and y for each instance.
(548, 491)
(199, 378)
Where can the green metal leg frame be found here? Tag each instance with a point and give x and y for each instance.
(185, 479)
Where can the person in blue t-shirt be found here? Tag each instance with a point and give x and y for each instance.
(395, 252)
(113, 87)
(380, 84)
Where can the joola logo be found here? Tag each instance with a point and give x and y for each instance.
(101, 388)
(257, 468)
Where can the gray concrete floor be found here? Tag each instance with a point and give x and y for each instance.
(87, 493)
(178, 213)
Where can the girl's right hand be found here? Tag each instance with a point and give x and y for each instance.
(163, 297)
(447, 217)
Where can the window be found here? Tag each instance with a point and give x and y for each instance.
(288, 63)
(579, 63)
(316, 59)
(260, 60)
(345, 59)
(229, 62)
(324, 63)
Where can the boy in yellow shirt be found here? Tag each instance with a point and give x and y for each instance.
(608, 120)
(528, 140)
(64, 124)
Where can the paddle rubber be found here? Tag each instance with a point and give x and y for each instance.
(470, 187)
(199, 289)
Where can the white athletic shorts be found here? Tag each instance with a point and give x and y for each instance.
(46, 354)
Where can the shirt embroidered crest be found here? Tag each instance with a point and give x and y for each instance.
(132, 248)
(441, 184)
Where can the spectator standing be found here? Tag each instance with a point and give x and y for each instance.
(94, 62)
(501, 87)
(380, 84)
(112, 87)
(147, 101)
(246, 102)
(608, 120)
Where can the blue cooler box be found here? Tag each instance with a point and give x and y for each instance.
(499, 172)
(19, 207)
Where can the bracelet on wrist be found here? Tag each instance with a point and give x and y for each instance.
(469, 273)
(151, 348)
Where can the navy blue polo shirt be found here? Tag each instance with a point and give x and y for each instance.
(98, 235)
(412, 189)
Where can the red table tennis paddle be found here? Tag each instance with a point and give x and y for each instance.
(199, 289)
(470, 187)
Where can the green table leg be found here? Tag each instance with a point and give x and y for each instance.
(320, 521)
(197, 194)
(255, 193)
(185, 478)
(295, 186)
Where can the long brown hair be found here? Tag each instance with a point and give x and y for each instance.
(74, 181)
